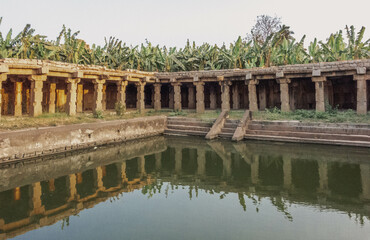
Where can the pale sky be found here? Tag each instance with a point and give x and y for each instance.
(172, 22)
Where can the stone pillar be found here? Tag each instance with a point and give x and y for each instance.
(212, 97)
(284, 94)
(255, 169)
(157, 96)
(18, 86)
(121, 93)
(177, 96)
(236, 100)
(72, 187)
(287, 169)
(123, 172)
(71, 106)
(361, 93)
(178, 160)
(252, 94)
(365, 181)
(99, 178)
(104, 101)
(3, 78)
(191, 97)
(201, 161)
(171, 97)
(52, 96)
(37, 82)
(98, 95)
(200, 97)
(319, 93)
(36, 199)
(80, 97)
(140, 97)
(225, 95)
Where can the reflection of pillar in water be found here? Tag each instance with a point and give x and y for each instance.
(158, 161)
(141, 165)
(178, 160)
(72, 186)
(201, 161)
(226, 162)
(51, 185)
(254, 169)
(99, 177)
(323, 175)
(123, 171)
(17, 193)
(365, 178)
(287, 168)
(36, 199)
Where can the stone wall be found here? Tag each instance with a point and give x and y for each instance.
(45, 141)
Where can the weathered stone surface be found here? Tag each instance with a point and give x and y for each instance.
(30, 142)
(218, 125)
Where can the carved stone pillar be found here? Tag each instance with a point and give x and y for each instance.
(225, 94)
(191, 97)
(157, 96)
(104, 100)
(319, 93)
(200, 97)
(18, 87)
(3, 78)
(177, 96)
(52, 96)
(98, 95)
(212, 97)
(141, 165)
(140, 97)
(80, 97)
(72, 187)
(361, 93)
(236, 100)
(252, 94)
(284, 93)
(121, 93)
(99, 178)
(71, 107)
(37, 82)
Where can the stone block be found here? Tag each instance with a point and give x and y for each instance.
(248, 76)
(280, 74)
(361, 70)
(316, 73)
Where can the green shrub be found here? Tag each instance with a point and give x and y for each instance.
(98, 114)
(120, 108)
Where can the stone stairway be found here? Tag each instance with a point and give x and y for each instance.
(229, 128)
(337, 134)
(187, 126)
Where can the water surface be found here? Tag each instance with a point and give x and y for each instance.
(189, 188)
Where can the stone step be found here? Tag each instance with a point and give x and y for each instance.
(187, 127)
(306, 140)
(228, 130)
(312, 124)
(233, 121)
(188, 123)
(312, 129)
(326, 136)
(225, 135)
(184, 133)
(231, 125)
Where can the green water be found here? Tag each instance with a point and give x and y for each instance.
(188, 188)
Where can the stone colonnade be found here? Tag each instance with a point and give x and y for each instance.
(40, 90)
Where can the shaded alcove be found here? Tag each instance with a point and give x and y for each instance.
(7, 93)
(305, 176)
(165, 95)
(111, 176)
(341, 92)
(209, 89)
(302, 94)
(268, 93)
(368, 95)
(189, 163)
(110, 95)
(88, 96)
(149, 96)
(271, 171)
(132, 169)
(344, 179)
(131, 96)
(184, 96)
(19, 199)
(86, 183)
